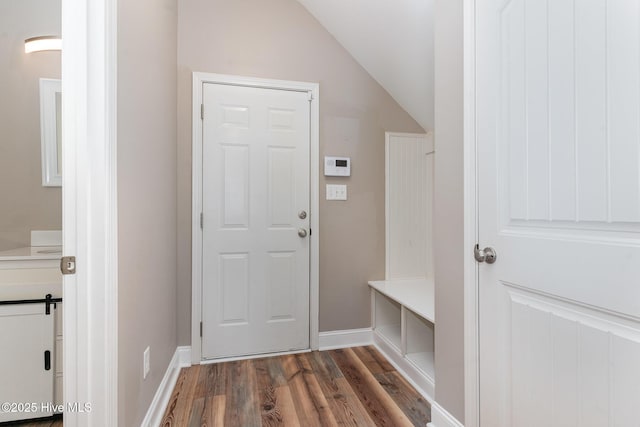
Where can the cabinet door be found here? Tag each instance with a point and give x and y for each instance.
(27, 333)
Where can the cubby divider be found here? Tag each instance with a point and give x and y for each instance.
(403, 322)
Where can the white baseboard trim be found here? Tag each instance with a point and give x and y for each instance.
(184, 356)
(441, 418)
(345, 338)
(181, 359)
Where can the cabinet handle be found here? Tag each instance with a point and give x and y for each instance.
(47, 360)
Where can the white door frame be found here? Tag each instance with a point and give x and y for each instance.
(199, 79)
(471, 313)
(90, 210)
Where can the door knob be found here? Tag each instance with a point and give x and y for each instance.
(487, 254)
(302, 214)
(302, 232)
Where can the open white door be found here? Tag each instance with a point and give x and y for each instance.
(90, 212)
(558, 134)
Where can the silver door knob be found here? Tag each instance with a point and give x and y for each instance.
(302, 214)
(487, 254)
(302, 232)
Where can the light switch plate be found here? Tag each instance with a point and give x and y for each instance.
(336, 192)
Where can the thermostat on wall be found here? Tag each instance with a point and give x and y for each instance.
(337, 166)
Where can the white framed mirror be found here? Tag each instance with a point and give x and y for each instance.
(51, 131)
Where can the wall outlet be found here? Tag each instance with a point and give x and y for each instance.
(336, 192)
(146, 365)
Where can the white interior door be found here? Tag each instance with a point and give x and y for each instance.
(255, 263)
(558, 127)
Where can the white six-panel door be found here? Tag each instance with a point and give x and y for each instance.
(558, 126)
(255, 265)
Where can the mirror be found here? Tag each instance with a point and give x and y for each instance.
(51, 131)
(28, 202)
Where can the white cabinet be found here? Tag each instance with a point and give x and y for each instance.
(403, 322)
(28, 332)
(27, 369)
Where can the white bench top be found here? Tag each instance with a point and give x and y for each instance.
(415, 294)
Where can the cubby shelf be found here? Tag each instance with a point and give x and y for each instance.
(415, 294)
(403, 322)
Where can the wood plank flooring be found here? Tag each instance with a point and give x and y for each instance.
(347, 387)
(55, 421)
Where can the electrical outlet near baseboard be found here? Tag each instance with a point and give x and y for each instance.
(146, 364)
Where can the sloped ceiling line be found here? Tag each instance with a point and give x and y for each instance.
(392, 40)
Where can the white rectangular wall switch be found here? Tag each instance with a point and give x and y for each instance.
(336, 192)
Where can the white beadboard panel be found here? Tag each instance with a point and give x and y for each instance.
(536, 105)
(593, 383)
(625, 366)
(565, 387)
(591, 114)
(514, 107)
(409, 192)
(281, 170)
(531, 360)
(589, 364)
(570, 107)
(236, 186)
(623, 81)
(281, 293)
(521, 406)
(234, 280)
(562, 137)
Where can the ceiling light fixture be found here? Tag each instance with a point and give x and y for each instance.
(37, 44)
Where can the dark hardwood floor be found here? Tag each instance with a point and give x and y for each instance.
(347, 387)
(49, 422)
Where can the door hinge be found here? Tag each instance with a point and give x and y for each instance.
(201, 220)
(200, 329)
(310, 96)
(68, 265)
(202, 111)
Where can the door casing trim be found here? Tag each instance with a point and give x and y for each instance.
(90, 210)
(199, 79)
(471, 227)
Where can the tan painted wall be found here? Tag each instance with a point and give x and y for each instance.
(449, 208)
(146, 199)
(279, 39)
(26, 204)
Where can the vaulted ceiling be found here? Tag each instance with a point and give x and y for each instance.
(392, 40)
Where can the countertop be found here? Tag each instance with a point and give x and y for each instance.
(30, 273)
(32, 253)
